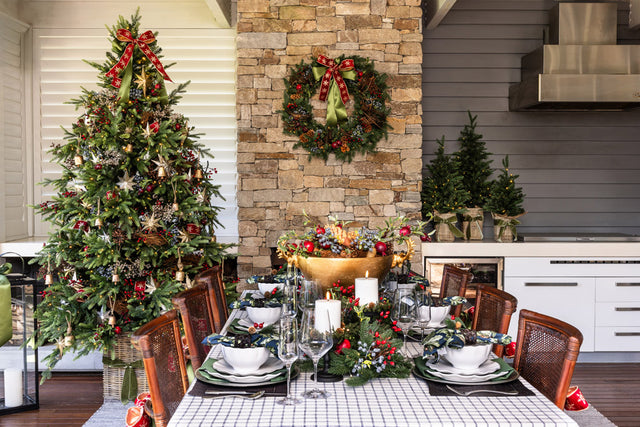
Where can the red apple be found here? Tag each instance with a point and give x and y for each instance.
(320, 230)
(381, 248)
(344, 344)
(309, 246)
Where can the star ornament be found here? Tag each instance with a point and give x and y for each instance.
(151, 223)
(147, 132)
(183, 236)
(126, 182)
(142, 80)
(150, 286)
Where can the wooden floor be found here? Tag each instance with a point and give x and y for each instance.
(70, 399)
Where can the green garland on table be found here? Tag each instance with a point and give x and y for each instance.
(344, 134)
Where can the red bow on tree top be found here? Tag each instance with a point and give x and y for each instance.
(333, 70)
(142, 42)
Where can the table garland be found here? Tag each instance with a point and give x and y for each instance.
(338, 81)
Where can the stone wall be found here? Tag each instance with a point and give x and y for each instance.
(277, 183)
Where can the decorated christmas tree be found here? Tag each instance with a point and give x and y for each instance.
(474, 164)
(505, 198)
(443, 190)
(132, 218)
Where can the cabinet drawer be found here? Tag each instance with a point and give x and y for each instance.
(618, 314)
(570, 299)
(622, 338)
(618, 289)
(571, 266)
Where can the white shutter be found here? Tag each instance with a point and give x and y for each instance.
(207, 57)
(13, 163)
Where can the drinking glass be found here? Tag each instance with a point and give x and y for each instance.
(310, 291)
(288, 353)
(423, 301)
(404, 313)
(290, 292)
(314, 343)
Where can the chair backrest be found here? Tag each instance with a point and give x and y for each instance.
(196, 319)
(161, 346)
(493, 312)
(212, 279)
(546, 354)
(454, 282)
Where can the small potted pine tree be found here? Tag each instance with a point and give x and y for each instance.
(505, 204)
(476, 170)
(443, 194)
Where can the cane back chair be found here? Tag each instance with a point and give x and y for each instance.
(493, 312)
(197, 321)
(454, 282)
(212, 279)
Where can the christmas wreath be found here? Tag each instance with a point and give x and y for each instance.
(339, 81)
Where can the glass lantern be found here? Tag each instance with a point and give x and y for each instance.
(18, 360)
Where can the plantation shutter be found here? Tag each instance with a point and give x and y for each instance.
(207, 57)
(13, 158)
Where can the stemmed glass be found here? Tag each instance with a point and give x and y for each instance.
(310, 291)
(404, 313)
(288, 353)
(315, 343)
(423, 308)
(290, 292)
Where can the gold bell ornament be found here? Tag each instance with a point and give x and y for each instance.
(180, 276)
(68, 339)
(112, 320)
(115, 278)
(99, 223)
(48, 279)
(162, 173)
(175, 206)
(128, 148)
(198, 174)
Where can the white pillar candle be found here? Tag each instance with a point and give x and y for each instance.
(328, 315)
(367, 290)
(12, 387)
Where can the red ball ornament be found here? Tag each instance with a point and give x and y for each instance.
(309, 246)
(320, 230)
(298, 87)
(149, 188)
(360, 73)
(344, 344)
(118, 330)
(335, 144)
(405, 231)
(98, 167)
(178, 127)
(381, 248)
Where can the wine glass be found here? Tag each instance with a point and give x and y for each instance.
(404, 313)
(315, 343)
(422, 297)
(310, 291)
(290, 292)
(288, 353)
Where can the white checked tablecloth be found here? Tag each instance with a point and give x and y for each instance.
(381, 402)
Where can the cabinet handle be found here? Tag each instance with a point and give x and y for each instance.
(627, 334)
(627, 284)
(551, 284)
(627, 308)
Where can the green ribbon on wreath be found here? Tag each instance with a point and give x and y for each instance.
(336, 110)
(451, 221)
(504, 223)
(473, 220)
(129, 389)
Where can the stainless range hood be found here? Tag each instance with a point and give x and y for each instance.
(582, 67)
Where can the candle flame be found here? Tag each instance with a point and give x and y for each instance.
(367, 274)
(328, 296)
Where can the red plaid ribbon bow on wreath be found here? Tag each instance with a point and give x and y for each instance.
(333, 89)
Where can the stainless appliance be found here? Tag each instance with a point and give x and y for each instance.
(486, 271)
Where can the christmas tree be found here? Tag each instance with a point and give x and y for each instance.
(474, 164)
(443, 190)
(132, 216)
(505, 198)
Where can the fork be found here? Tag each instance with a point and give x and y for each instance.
(469, 393)
(253, 396)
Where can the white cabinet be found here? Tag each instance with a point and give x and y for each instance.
(599, 296)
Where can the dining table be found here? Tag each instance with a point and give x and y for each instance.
(380, 402)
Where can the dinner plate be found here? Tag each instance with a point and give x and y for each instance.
(205, 378)
(444, 366)
(429, 376)
(245, 379)
(467, 379)
(272, 364)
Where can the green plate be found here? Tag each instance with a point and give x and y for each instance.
(203, 376)
(420, 373)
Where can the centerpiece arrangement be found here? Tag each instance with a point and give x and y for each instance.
(340, 251)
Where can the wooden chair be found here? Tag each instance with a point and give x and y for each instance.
(546, 354)
(197, 321)
(454, 282)
(212, 279)
(493, 312)
(161, 346)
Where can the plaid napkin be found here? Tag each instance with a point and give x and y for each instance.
(257, 340)
(455, 338)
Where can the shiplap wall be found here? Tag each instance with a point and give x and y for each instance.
(13, 158)
(580, 171)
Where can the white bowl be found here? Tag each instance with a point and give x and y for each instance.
(469, 357)
(245, 360)
(438, 314)
(268, 287)
(265, 315)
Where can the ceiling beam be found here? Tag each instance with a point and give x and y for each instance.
(221, 10)
(434, 11)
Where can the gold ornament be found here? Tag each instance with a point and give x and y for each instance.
(198, 174)
(99, 222)
(214, 239)
(175, 206)
(128, 148)
(68, 340)
(78, 160)
(180, 276)
(162, 173)
(112, 320)
(115, 278)
(48, 279)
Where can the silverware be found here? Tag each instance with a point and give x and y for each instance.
(238, 394)
(469, 393)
